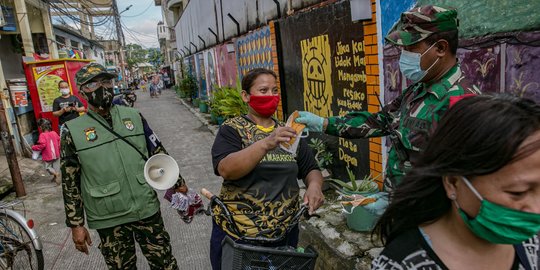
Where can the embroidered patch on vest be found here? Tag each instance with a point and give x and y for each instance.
(128, 123)
(91, 134)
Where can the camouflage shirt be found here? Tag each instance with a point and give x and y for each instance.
(413, 115)
(71, 171)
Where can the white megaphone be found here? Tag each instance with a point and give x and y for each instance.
(161, 171)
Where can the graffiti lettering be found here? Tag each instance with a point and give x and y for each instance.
(358, 61)
(352, 78)
(350, 160)
(353, 95)
(348, 144)
(342, 48)
(357, 47)
(342, 61)
(350, 104)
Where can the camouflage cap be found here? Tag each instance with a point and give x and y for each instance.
(419, 23)
(90, 71)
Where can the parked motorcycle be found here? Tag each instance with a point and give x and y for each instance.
(125, 98)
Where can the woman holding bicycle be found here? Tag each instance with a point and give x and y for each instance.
(260, 185)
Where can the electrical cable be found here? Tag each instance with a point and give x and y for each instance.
(139, 33)
(148, 7)
(98, 4)
(77, 19)
(128, 31)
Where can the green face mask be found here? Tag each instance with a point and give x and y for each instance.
(498, 224)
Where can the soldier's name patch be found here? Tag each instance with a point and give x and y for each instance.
(128, 123)
(91, 134)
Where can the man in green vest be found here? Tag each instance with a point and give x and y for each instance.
(103, 178)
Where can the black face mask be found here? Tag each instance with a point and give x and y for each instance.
(101, 98)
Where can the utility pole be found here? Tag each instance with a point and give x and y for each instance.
(11, 156)
(120, 36)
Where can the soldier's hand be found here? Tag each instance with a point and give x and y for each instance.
(280, 134)
(312, 121)
(81, 238)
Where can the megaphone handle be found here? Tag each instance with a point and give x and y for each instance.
(206, 193)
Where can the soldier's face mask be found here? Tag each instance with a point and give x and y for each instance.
(101, 98)
(409, 64)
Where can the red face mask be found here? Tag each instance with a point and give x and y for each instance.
(264, 105)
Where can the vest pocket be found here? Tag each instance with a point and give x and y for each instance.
(108, 201)
(140, 178)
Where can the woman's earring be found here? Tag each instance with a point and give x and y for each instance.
(453, 196)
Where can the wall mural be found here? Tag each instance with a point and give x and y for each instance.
(211, 70)
(522, 65)
(316, 71)
(254, 50)
(325, 73)
(200, 75)
(393, 80)
(226, 60)
(482, 67)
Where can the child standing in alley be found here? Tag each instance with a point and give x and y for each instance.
(49, 145)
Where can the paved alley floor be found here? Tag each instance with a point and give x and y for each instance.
(187, 140)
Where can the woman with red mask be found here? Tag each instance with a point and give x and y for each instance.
(260, 184)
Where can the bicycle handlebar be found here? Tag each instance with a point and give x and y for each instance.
(206, 193)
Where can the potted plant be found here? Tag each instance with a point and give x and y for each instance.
(203, 105)
(322, 155)
(229, 103)
(196, 101)
(358, 218)
(365, 186)
(188, 87)
(213, 105)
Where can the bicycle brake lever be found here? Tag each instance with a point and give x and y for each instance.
(208, 210)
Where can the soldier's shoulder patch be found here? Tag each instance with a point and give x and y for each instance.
(128, 123)
(91, 134)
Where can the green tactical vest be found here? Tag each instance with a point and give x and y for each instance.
(113, 187)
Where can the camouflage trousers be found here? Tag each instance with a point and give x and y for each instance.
(118, 244)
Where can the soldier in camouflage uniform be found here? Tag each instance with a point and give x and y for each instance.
(103, 178)
(428, 36)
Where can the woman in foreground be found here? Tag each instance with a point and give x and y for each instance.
(473, 201)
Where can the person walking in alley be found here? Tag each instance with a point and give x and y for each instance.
(143, 85)
(154, 87)
(103, 178)
(66, 106)
(259, 178)
(49, 146)
(473, 199)
(428, 36)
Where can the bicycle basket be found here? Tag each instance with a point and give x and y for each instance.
(247, 257)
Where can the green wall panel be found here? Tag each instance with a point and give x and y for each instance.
(483, 17)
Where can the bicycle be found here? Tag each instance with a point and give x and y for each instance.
(20, 246)
(250, 256)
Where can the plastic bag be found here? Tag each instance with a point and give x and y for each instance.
(186, 204)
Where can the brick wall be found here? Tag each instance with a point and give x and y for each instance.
(279, 112)
(373, 89)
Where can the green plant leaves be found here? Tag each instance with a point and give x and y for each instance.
(227, 102)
